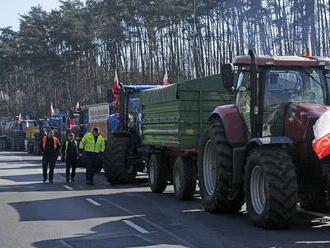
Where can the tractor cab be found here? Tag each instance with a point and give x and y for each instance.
(282, 83)
(126, 109)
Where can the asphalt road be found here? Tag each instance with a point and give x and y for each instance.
(34, 214)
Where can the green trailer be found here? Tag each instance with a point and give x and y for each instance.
(173, 119)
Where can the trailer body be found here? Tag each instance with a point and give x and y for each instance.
(175, 115)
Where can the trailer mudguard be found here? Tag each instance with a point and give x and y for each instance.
(233, 122)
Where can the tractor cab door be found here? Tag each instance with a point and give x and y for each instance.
(243, 99)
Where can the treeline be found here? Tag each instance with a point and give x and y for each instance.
(70, 54)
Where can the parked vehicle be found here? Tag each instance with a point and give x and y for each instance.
(258, 149)
(15, 134)
(124, 155)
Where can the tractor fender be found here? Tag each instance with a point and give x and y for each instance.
(233, 122)
(265, 141)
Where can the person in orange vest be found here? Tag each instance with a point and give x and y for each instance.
(50, 147)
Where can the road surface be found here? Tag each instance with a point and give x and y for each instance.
(35, 214)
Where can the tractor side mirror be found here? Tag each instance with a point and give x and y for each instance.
(227, 74)
(109, 96)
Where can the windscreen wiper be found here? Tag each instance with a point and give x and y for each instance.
(309, 75)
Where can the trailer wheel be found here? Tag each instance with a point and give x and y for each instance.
(158, 173)
(184, 178)
(115, 164)
(270, 187)
(214, 172)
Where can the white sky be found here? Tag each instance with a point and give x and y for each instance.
(11, 9)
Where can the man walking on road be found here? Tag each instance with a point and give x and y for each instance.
(70, 152)
(93, 146)
(50, 147)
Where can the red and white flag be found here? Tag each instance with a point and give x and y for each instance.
(51, 110)
(165, 80)
(321, 142)
(115, 85)
(20, 118)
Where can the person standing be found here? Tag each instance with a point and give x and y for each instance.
(93, 146)
(71, 153)
(50, 147)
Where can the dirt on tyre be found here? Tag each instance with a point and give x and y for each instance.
(158, 173)
(184, 178)
(270, 188)
(117, 168)
(215, 163)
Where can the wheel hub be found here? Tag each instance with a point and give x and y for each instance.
(257, 189)
(177, 179)
(152, 172)
(209, 167)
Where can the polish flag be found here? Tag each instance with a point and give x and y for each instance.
(51, 110)
(115, 85)
(165, 80)
(20, 118)
(321, 142)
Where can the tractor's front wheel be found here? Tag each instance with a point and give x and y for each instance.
(270, 187)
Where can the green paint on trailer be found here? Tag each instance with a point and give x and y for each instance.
(175, 115)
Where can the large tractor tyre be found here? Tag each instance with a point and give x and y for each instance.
(215, 167)
(117, 168)
(184, 178)
(270, 188)
(158, 173)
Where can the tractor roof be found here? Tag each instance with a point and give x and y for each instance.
(293, 61)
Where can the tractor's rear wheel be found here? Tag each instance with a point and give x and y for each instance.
(270, 187)
(116, 165)
(214, 172)
(158, 173)
(184, 178)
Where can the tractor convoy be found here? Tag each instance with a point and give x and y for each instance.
(245, 135)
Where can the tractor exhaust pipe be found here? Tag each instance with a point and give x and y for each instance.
(254, 108)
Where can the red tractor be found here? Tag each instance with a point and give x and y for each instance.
(259, 150)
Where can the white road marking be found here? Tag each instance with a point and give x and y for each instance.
(65, 244)
(173, 235)
(313, 242)
(68, 187)
(320, 215)
(136, 227)
(93, 202)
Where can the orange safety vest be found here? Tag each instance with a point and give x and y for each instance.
(55, 142)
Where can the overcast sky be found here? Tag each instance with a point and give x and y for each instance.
(11, 9)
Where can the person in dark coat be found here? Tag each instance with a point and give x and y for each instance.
(50, 147)
(71, 152)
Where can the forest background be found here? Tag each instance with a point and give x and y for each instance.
(70, 54)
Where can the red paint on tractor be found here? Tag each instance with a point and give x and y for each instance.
(233, 123)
